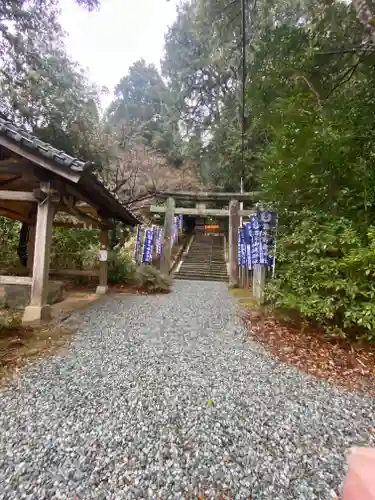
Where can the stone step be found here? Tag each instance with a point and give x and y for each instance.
(204, 261)
(205, 257)
(219, 258)
(200, 278)
(203, 265)
(220, 262)
(210, 247)
(217, 262)
(197, 273)
(200, 254)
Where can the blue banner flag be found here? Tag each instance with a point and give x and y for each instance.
(267, 222)
(247, 243)
(241, 248)
(148, 246)
(255, 242)
(158, 241)
(259, 234)
(247, 233)
(137, 243)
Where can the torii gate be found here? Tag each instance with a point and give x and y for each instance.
(201, 198)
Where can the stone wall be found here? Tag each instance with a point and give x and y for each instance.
(18, 296)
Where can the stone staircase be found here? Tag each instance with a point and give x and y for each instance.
(204, 261)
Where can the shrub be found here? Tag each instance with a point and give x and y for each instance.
(326, 273)
(10, 320)
(121, 268)
(9, 236)
(151, 279)
(74, 248)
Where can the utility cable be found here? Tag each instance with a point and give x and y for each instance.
(243, 77)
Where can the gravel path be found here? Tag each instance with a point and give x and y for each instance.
(162, 397)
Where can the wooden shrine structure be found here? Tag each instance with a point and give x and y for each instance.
(234, 212)
(36, 182)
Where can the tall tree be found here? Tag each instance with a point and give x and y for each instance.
(308, 141)
(41, 87)
(146, 106)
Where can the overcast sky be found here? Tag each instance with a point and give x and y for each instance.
(108, 41)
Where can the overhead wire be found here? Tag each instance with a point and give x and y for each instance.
(243, 90)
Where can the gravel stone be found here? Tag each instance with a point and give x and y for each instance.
(164, 397)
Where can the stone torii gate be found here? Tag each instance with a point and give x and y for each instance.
(201, 198)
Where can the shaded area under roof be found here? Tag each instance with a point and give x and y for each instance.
(25, 160)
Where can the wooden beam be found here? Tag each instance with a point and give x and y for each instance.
(82, 202)
(12, 214)
(89, 273)
(67, 173)
(76, 225)
(85, 217)
(209, 195)
(165, 260)
(10, 180)
(15, 280)
(217, 212)
(16, 166)
(17, 196)
(12, 160)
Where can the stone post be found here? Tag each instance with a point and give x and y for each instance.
(165, 261)
(234, 223)
(259, 282)
(102, 288)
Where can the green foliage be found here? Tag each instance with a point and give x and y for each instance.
(121, 268)
(146, 105)
(326, 272)
(307, 143)
(74, 248)
(318, 171)
(41, 87)
(79, 248)
(71, 248)
(9, 236)
(9, 321)
(139, 97)
(150, 279)
(308, 138)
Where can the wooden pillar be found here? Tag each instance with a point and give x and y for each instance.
(30, 249)
(102, 288)
(259, 282)
(165, 261)
(38, 308)
(234, 224)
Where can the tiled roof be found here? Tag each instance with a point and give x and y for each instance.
(29, 142)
